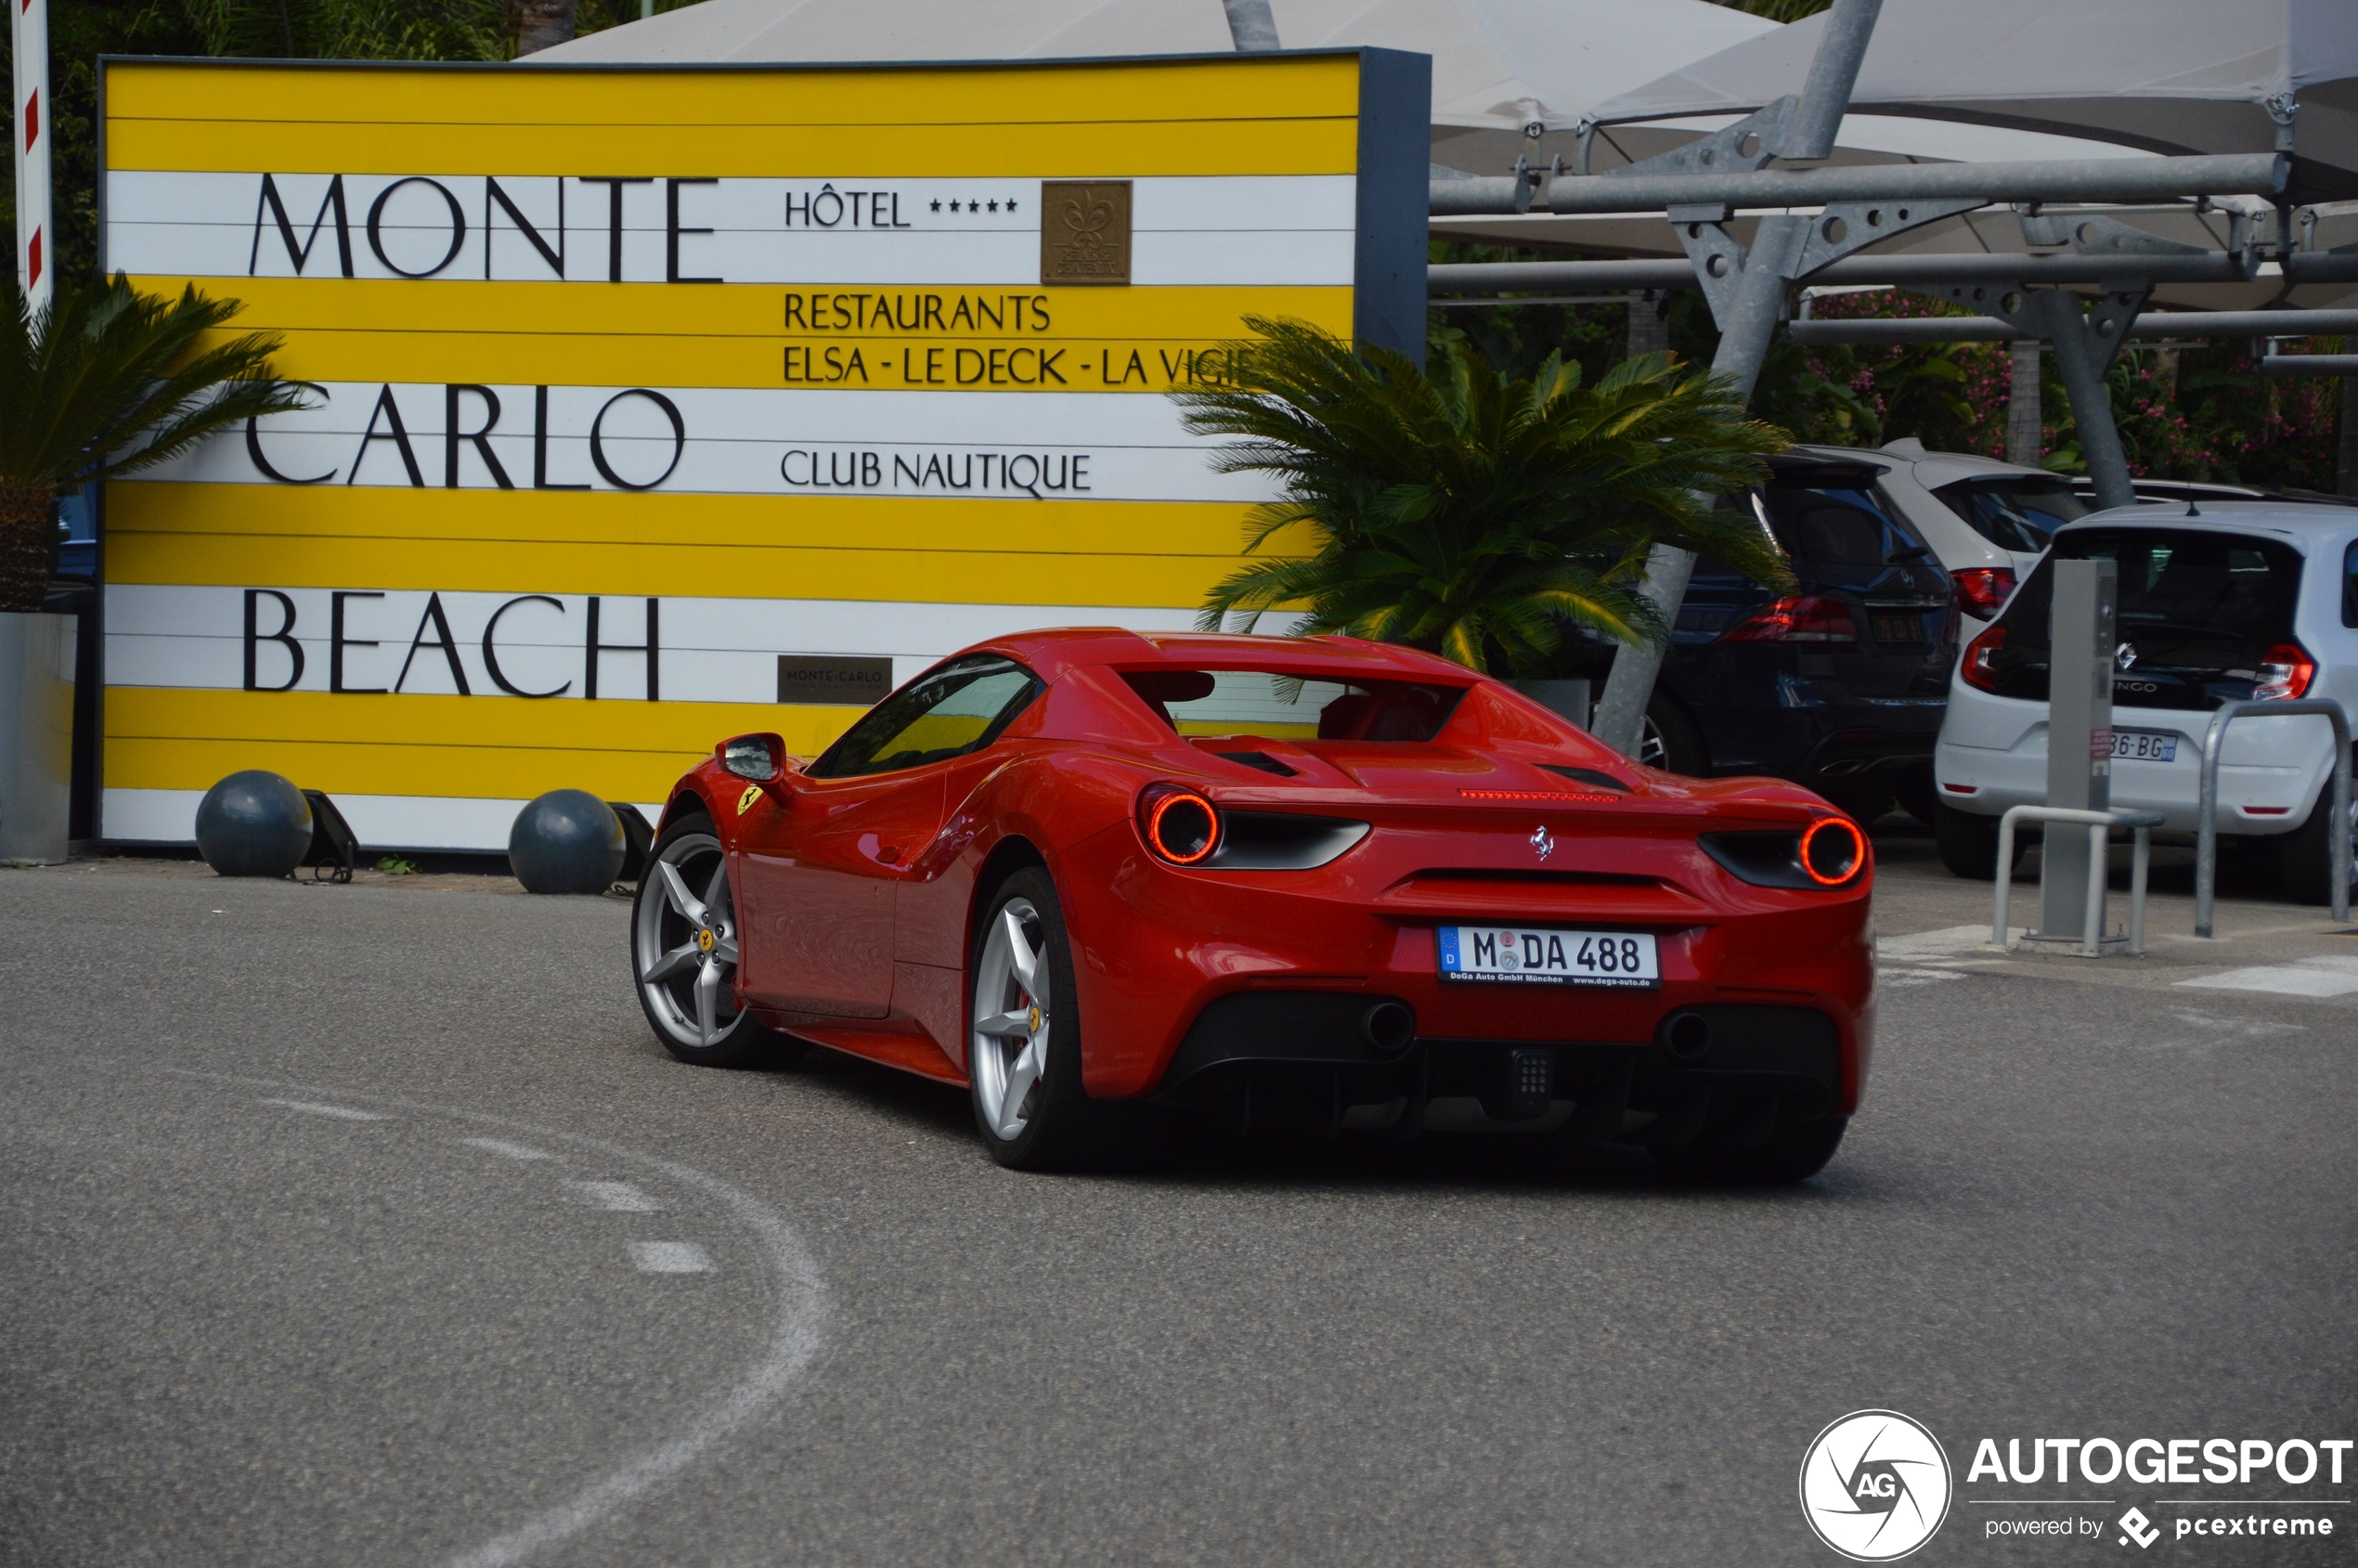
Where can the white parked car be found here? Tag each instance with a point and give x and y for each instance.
(2218, 602)
(1987, 521)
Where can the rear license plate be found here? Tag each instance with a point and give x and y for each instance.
(1900, 628)
(2143, 745)
(1532, 955)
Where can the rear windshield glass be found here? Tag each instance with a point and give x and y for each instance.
(1255, 701)
(1835, 527)
(2015, 514)
(2197, 614)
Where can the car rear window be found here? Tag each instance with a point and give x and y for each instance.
(1282, 707)
(2197, 613)
(2018, 514)
(1834, 527)
(2350, 586)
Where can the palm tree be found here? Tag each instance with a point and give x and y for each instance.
(1466, 514)
(106, 381)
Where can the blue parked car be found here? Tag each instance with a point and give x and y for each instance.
(1839, 685)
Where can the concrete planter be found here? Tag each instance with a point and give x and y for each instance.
(36, 735)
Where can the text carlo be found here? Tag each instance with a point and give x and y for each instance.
(471, 416)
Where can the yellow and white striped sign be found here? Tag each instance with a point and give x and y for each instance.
(632, 388)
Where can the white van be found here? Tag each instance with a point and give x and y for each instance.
(2220, 601)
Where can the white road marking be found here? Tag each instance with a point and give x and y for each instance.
(1949, 943)
(1903, 980)
(670, 1257)
(798, 1313)
(2309, 977)
(342, 1113)
(507, 1150)
(2251, 1028)
(621, 1197)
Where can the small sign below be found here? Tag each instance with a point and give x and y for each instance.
(847, 682)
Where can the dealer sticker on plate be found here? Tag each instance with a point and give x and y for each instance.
(1527, 955)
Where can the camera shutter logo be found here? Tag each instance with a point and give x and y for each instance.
(1875, 1485)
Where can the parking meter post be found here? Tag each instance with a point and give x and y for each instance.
(2079, 740)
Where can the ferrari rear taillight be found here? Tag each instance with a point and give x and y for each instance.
(2285, 673)
(1179, 824)
(1832, 851)
(1809, 618)
(1982, 590)
(1978, 668)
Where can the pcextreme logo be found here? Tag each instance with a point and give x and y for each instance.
(1875, 1485)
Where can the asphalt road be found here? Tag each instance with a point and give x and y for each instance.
(369, 1226)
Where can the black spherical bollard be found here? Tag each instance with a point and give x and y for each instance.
(567, 841)
(254, 823)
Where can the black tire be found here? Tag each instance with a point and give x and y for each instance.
(1793, 1151)
(1054, 1125)
(660, 927)
(1917, 793)
(1968, 843)
(1671, 740)
(2300, 856)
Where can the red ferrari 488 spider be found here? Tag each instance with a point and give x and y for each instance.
(1318, 883)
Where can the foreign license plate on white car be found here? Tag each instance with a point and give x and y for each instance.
(1532, 955)
(2143, 745)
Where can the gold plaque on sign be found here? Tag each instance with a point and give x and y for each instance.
(1084, 232)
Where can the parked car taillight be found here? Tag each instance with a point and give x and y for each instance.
(1804, 619)
(2285, 672)
(1977, 668)
(1982, 590)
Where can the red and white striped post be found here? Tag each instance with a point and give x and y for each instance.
(36, 246)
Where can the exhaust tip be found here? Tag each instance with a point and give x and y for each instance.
(1688, 1037)
(1389, 1027)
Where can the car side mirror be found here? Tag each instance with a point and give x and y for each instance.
(760, 759)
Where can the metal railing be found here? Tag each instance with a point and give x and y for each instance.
(2099, 825)
(2206, 807)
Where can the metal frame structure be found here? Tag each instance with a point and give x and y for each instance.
(2099, 825)
(2206, 807)
(1699, 188)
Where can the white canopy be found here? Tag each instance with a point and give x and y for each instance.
(2168, 76)
(1496, 64)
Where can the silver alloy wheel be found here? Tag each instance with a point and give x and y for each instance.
(1007, 1054)
(1651, 753)
(684, 943)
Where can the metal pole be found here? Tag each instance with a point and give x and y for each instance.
(2080, 645)
(2083, 379)
(2005, 877)
(34, 111)
(2207, 800)
(2140, 859)
(2091, 943)
(1919, 270)
(2026, 434)
(2121, 181)
(1744, 336)
(1825, 92)
(2149, 324)
(1250, 27)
